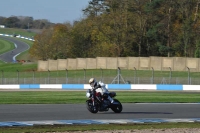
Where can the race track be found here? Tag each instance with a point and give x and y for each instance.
(20, 47)
(42, 112)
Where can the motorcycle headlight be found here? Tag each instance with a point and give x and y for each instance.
(88, 95)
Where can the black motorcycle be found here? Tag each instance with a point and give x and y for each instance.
(97, 102)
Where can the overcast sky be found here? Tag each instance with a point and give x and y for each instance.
(56, 11)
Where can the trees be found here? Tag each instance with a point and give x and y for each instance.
(11, 22)
(2, 20)
(52, 43)
(118, 28)
(25, 22)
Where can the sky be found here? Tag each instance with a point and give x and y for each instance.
(56, 11)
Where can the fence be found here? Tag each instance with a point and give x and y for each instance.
(117, 76)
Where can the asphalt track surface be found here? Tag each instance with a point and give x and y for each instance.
(43, 112)
(20, 47)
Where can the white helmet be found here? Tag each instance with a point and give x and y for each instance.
(92, 82)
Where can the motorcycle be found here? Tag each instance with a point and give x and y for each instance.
(98, 103)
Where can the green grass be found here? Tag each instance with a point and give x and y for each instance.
(60, 97)
(1, 62)
(97, 73)
(22, 32)
(72, 97)
(111, 127)
(13, 67)
(6, 46)
(64, 97)
(25, 55)
(27, 33)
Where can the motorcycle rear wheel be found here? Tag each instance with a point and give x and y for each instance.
(118, 107)
(90, 107)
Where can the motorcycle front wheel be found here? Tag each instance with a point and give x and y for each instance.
(90, 107)
(117, 108)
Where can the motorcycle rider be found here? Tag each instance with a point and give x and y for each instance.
(100, 87)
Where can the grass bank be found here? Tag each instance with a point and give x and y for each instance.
(57, 97)
(14, 31)
(25, 55)
(6, 46)
(74, 97)
(13, 67)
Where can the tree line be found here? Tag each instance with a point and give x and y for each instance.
(121, 28)
(24, 22)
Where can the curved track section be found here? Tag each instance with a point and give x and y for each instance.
(19, 48)
(49, 114)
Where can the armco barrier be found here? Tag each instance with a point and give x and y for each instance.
(159, 87)
(22, 37)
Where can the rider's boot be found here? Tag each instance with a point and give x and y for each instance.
(111, 100)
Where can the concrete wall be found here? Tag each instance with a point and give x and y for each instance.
(133, 62)
(91, 63)
(101, 62)
(144, 63)
(193, 64)
(167, 63)
(156, 63)
(122, 62)
(81, 63)
(179, 64)
(43, 65)
(139, 63)
(53, 65)
(71, 64)
(62, 64)
(111, 63)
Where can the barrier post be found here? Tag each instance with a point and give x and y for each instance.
(152, 75)
(48, 76)
(33, 76)
(84, 75)
(188, 75)
(119, 73)
(170, 75)
(18, 76)
(101, 74)
(2, 76)
(66, 76)
(135, 75)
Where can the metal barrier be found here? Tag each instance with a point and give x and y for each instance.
(107, 76)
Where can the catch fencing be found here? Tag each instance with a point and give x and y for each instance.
(107, 76)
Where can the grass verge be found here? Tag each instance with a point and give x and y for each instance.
(15, 31)
(111, 127)
(74, 97)
(6, 46)
(12, 67)
(59, 97)
(25, 55)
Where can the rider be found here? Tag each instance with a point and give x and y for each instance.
(100, 85)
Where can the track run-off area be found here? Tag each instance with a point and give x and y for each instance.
(19, 48)
(50, 114)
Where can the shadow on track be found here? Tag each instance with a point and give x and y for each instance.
(136, 113)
